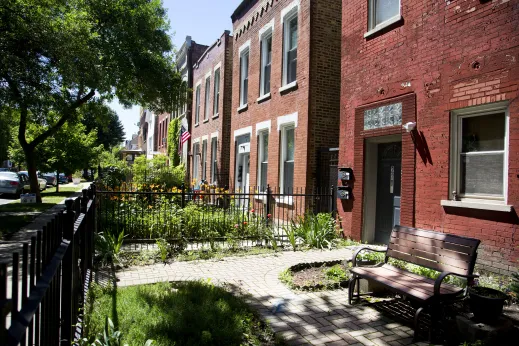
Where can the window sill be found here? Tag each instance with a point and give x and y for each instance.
(263, 98)
(288, 87)
(477, 205)
(243, 108)
(206, 121)
(383, 25)
(216, 115)
(196, 124)
(286, 200)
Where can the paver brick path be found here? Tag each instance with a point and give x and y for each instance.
(322, 318)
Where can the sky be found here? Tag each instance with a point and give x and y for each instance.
(203, 20)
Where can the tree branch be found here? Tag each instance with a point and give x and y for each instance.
(66, 116)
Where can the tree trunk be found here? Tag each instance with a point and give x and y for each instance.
(31, 170)
(57, 181)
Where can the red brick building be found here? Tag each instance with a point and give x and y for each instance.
(211, 116)
(286, 89)
(452, 70)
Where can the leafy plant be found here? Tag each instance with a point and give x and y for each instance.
(371, 256)
(110, 337)
(271, 236)
(292, 237)
(316, 231)
(336, 273)
(163, 246)
(109, 246)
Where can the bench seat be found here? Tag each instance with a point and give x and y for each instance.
(414, 286)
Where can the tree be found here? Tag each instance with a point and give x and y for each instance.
(98, 116)
(174, 141)
(5, 133)
(57, 56)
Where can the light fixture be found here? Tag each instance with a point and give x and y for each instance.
(410, 126)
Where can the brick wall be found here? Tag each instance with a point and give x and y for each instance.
(449, 55)
(220, 53)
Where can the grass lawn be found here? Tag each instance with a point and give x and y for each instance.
(191, 313)
(12, 223)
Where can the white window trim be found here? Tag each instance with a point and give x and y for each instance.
(214, 134)
(207, 97)
(267, 27)
(371, 17)
(243, 105)
(476, 202)
(288, 13)
(205, 138)
(268, 32)
(196, 140)
(214, 178)
(197, 106)
(264, 125)
(286, 120)
(283, 153)
(203, 158)
(217, 68)
(259, 134)
(208, 74)
(244, 46)
(243, 131)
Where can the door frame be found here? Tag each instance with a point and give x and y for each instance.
(370, 183)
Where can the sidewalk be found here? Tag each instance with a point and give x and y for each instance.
(302, 318)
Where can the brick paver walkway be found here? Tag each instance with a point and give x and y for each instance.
(323, 318)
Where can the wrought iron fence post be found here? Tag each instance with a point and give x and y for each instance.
(183, 196)
(269, 196)
(68, 276)
(334, 202)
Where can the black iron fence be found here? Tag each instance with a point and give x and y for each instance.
(42, 292)
(209, 214)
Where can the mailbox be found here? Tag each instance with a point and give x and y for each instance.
(344, 192)
(345, 173)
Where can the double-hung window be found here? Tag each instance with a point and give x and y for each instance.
(196, 161)
(266, 62)
(204, 159)
(207, 100)
(214, 163)
(290, 34)
(244, 76)
(287, 158)
(263, 158)
(197, 105)
(383, 13)
(480, 153)
(216, 103)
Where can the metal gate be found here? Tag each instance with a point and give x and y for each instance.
(327, 172)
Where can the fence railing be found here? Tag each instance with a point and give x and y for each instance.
(208, 215)
(42, 292)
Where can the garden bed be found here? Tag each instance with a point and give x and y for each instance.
(188, 313)
(317, 276)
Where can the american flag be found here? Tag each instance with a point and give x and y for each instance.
(184, 136)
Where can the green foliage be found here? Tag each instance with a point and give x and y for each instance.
(336, 273)
(191, 313)
(292, 237)
(110, 337)
(316, 231)
(97, 116)
(7, 118)
(286, 277)
(514, 286)
(371, 256)
(156, 171)
(163, 246)
(173, 141)
(108, 246)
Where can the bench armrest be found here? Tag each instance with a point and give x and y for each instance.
(354, 258)
(443, 275)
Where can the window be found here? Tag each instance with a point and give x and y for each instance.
(216, 103)
(480, 145)
(196, 161)
(197, 105)
(204, 159)
(207, 93)
(244, 76)
(382, 12)
(290, 47)
(214, 164)
(287, 159)
(263, 157)
(266, 61)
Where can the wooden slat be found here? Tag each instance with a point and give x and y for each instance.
(470, 242)
(445, 288)
(426, 263)
(431, 245)
(431, 256)
(434, 242)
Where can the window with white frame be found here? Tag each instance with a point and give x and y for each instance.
(480, 152)
(216, 103)
(204, 159)
(266, 62)
(287, 158)
(244, 76)
(214, 163)
(197, 105)
(382, 12)
(263, 158)
(207, 100)
(290, 35)
(196, 161)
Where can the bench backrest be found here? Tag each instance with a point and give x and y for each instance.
(434, 250)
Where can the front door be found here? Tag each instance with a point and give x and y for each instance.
(389, 177)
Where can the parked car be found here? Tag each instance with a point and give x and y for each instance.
(63, 179)
(42, 183)
(12, 183)
(50, 177)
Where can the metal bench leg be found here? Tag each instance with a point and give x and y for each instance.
(416, 318)
(351, 288)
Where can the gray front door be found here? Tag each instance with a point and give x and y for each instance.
(389, 177)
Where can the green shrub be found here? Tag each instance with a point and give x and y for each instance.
(316, 231)
(336, 273)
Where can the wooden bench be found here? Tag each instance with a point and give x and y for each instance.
(448, 254)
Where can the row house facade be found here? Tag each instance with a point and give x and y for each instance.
(285, 91)
(430, 121)
(211, 120)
